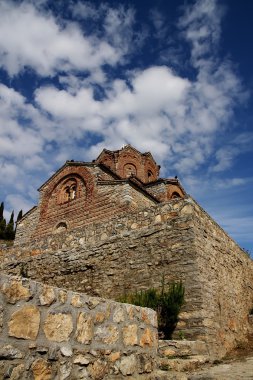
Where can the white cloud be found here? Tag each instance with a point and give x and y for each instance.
(117, 25)
(62, 104)
(81, 10)
(40, 42)
(17, 140)
(16, 202)
(153, 90)
(231, 149)
(9, 172)
(154, 108)
(201, 26)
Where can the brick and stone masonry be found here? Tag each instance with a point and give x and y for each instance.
(112, 226)
(177, 240)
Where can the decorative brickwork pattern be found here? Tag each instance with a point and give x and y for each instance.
(129, 162)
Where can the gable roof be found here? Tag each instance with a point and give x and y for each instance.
(67, 163)
(125, 147)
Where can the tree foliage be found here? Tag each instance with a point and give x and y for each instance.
(167, 304)
(20, 215)
(8, 230)
(1, 211)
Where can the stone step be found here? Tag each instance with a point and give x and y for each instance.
(169, 375)
(178, 348)
(188, 363)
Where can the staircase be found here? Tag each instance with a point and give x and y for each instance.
(179, 356)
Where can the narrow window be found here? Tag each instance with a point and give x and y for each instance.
(175, 195)
(61, 227)
(72, 192)
(150, 176)
(129, 170)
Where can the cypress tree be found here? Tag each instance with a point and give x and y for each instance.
(20, 215)
(2, 228)
(1, 211)
(10, 232)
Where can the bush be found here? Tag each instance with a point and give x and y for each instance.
(167, 304)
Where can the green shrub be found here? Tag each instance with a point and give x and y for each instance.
(169, 307)
(167, 304)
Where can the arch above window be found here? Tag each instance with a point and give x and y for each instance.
(150, 176)
(175, 195)
(61, 227)
(129, 170)
(69, 190)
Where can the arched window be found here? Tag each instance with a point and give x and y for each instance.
(129, 170)
(150, 176)
(175, 195)
(61, 227)
(72, 192)
(68, 191)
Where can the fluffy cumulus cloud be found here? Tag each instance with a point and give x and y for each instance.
(155, 108)
(41, 42)
(92, 91)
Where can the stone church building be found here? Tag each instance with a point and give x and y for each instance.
(112, 226)
(81, 193)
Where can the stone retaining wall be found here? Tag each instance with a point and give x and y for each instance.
(226, 277)
(177, 240)
(48, 333)
(147, 246)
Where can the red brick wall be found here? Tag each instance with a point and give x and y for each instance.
(128, 160)
(93, 201)
(165, 191)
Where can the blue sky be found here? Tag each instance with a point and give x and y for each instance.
(171, 77)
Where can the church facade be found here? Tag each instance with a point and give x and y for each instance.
(80, 193)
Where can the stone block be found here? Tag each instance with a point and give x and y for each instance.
(58, 327)
(99, 317)
(84, 329)
(9, 352)
(15, 291)
(17, 372)
(1, 317)
(64, 370)
(76, 301)
(149, 316)
(107, 334)
(128, 365)
(41, 370)
(114, 356)
(130, 335)
(118, 315)
(98, 369)
(47, 296)
(24, 323)
(81, 360)
(148, 339)
(66, 351)
(62, 296)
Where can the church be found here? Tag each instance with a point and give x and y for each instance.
(80, 193)
(113, 226)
